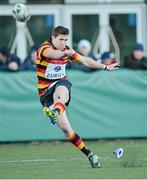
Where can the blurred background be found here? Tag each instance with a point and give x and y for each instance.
(85, 19)
(117, 101)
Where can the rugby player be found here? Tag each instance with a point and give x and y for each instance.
(54, 87)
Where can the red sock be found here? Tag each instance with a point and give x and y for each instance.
(59, 107)
(78, 142)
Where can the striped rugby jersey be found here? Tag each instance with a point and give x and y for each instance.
(50, 70)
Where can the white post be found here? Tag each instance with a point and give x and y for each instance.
(104, 38)
(21, 40)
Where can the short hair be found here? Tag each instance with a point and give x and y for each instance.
(60, 30)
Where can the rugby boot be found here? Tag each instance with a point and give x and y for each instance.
(94, 160)
(53, 115)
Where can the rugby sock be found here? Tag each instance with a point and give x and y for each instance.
(59, 107)
(78, 142)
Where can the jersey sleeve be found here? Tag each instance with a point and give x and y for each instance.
(43, 49)
(75, 57)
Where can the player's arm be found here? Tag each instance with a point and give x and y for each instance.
(57, 54)
(89, 62)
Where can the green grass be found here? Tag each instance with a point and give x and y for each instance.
(62, 160)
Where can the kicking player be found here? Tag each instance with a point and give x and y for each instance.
(54, 88)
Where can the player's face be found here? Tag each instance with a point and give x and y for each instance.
(60, 41)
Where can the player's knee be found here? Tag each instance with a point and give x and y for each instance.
(61, 98)
(61, 94)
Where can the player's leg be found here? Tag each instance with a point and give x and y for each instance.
(60, 98)
(74, 138)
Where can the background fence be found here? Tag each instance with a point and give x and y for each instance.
(104, 105)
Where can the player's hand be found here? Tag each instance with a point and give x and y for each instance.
(113, 66)
(69, 52)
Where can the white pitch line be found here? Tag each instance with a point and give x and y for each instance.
(40, 160)
(46, 160)
(102, 159)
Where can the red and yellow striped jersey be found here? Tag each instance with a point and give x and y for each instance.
(50, 70)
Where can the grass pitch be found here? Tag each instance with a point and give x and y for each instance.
(63, 161)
